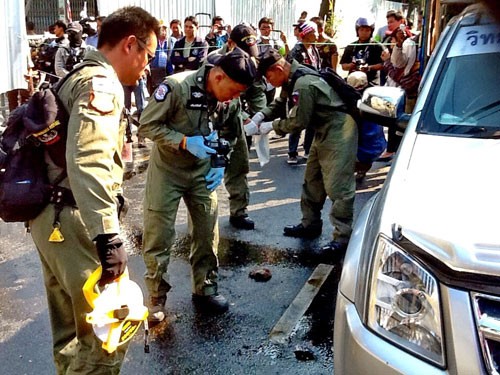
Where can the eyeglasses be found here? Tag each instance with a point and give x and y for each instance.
(143, 45)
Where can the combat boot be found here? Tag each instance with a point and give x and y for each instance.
(156, 310)
(300, 231)
(212, 304)
(242, 222)
(335, 248)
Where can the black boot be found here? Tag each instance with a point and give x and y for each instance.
(213, 304)
(242, 222)
(335, 247)
(300, 231)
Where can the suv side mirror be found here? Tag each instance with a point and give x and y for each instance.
(384, 106)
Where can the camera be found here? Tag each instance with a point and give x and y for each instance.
(359, 62)
(221, 27)
(222, 148)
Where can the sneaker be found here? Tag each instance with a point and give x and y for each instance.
(242, 222)
(300, 231)
(292, 160)
(213, 304)
(156, 310)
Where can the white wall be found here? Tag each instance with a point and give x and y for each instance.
(13, 45)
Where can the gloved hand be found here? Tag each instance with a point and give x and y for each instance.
(251, 128)
(112, 255)
(196, 146)
(258, 118)
(266, 127)
(214, 178)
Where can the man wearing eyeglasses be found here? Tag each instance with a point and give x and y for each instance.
(180, 119)
(79, 230)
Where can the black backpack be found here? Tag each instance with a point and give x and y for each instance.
(39, 125)
(347, 93)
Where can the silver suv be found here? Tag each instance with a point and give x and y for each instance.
(420, 287)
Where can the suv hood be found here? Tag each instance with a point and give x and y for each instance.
(448, 201)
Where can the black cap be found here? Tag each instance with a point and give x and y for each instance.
(245, 38)
(299, 22)
(268, 58)
(238, 65)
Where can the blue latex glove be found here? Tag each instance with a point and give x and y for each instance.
(214, 178)
(196, 146)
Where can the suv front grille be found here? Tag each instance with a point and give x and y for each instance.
(487, 313)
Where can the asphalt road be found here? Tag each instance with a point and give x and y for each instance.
(189, 343)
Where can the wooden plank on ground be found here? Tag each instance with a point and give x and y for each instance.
(282, 330)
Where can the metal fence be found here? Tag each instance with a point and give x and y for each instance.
(45, 12)
(282, 11)
(163, 10)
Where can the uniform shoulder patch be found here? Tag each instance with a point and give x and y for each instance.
(295, 97)
(102, 95)
(102, 84)
(162, 92)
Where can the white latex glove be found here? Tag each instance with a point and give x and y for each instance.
(251, 128)
(258, 118)
(266, 127)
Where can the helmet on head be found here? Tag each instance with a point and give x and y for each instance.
(365, 21)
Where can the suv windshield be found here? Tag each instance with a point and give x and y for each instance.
(466, 95)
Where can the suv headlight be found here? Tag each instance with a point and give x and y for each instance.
(404, 303)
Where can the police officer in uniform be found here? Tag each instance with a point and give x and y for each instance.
(80, 229)
(330, 166)
(252, 101)
(179, 120)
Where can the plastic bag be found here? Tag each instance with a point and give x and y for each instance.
(262, 147)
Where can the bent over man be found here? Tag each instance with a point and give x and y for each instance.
(180, 119)
(330, 166)
(75, 234)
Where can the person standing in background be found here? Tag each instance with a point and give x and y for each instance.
(266, 42)
(218, 35)
(306, 53)
(93, 40)
(175, 35)
(191, 50)
(363, 54)
(327, 48)
(158, 67)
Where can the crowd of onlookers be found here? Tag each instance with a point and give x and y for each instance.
(384, 56)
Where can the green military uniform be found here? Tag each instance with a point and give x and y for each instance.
(94, 98)
(180, 107)
(235, 175)
(330, 166)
